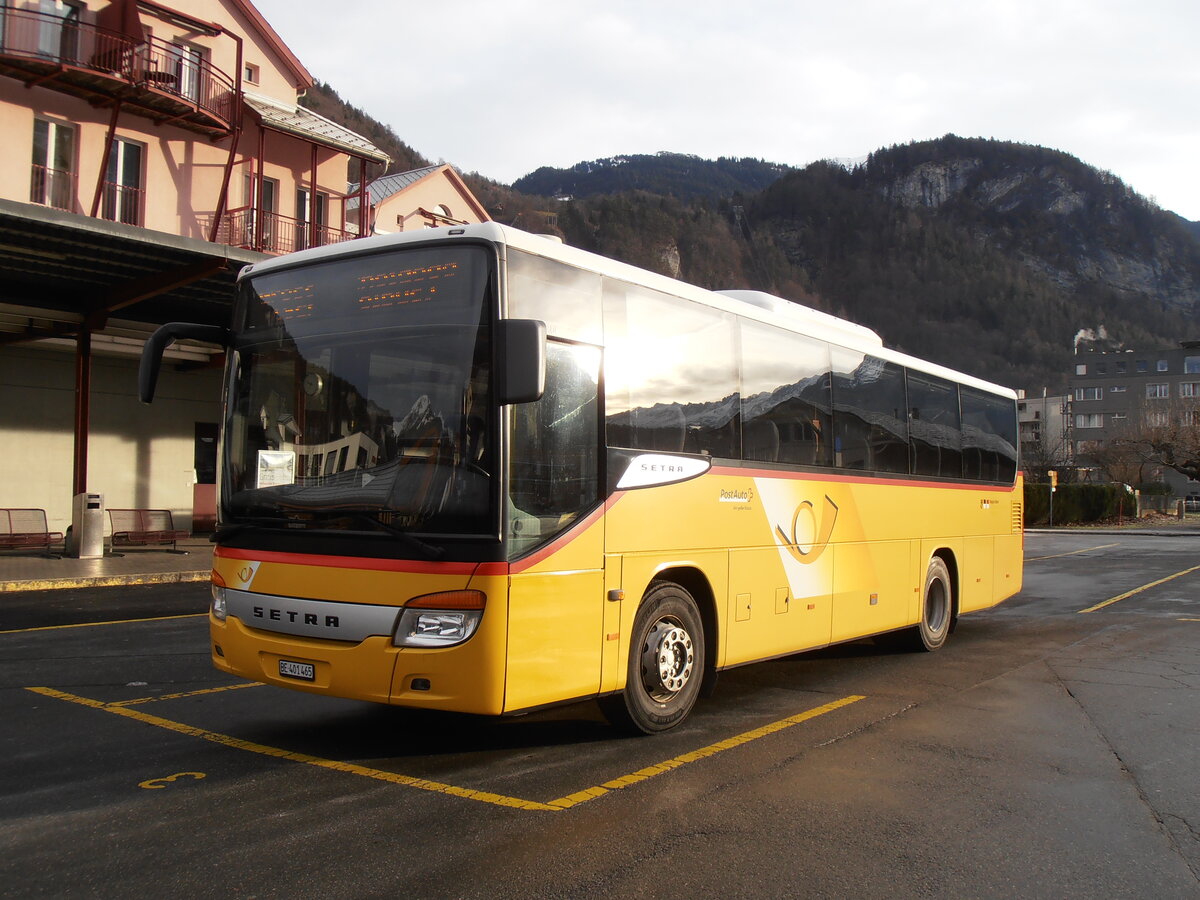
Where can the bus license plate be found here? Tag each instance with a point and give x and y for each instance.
(303, 671)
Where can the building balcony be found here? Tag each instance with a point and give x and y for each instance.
(153, 78)
(58, 188)
(269, 232)
(55, 188)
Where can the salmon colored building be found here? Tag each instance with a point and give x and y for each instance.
(150, 151)
(423, 198)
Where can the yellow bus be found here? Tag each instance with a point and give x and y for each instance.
(474, 469)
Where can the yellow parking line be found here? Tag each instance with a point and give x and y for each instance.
(111, 622)
(1138, 590)
(1073, 552)
(279, 753)
(182, 694)
(703, 753)
(562, 803)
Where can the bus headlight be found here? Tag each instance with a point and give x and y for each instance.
(440, 620)
(219, 608)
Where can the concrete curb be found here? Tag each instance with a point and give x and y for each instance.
(61, 584)
(1183, 531)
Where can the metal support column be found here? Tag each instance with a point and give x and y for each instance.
(83, 394)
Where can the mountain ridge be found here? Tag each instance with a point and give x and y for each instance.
(679, 175)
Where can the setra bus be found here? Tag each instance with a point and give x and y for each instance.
(473, 469)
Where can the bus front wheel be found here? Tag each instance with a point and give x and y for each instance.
(665, 665)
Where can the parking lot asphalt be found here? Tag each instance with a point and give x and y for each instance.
(1049, 750)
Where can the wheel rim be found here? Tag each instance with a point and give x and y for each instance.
(668, 659)
(936, 606)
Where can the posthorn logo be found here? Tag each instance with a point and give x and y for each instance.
(809, 537)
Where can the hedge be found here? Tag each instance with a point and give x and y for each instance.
(1077, 503)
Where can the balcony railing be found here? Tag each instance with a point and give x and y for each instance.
(269, 232)
(88, 61)
(121, 203)
(52, 187)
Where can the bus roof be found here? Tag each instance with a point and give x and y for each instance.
(762, 307)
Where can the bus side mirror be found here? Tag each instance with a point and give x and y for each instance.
(520, 360)
(167, 334)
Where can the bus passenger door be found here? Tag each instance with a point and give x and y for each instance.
(555, 534)
(555, 622)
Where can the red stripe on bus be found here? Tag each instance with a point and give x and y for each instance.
(554, 546)
(857, 479)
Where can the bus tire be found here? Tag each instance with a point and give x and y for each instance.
(665, 666)
(937, 608)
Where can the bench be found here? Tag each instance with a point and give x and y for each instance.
(21, 529)
(142, 527)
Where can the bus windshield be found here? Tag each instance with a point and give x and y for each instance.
(359, 396)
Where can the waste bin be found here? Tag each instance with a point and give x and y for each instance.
(87, 526)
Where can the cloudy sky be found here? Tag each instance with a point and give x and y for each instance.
(502, 87)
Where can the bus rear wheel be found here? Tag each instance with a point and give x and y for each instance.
(665, 665)
(937, 608)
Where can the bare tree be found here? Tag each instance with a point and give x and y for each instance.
(1162, 433)
(1040, 456)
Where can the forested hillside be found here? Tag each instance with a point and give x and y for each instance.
(986, 256)
(672, 174)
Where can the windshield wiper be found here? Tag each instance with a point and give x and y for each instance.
(246, 523)
(428, 551)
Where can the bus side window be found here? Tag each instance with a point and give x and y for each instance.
(555, 460)
(670, 374)
(989, 436)
(785, 407)
(934, 426)
(870, 416)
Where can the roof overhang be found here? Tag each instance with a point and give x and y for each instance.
(306, 124)
(60, 272)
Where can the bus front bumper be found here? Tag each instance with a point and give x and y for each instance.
(466, 678)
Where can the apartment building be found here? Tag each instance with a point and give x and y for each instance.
(1121, 394)
(150, 151)
(1044, 426)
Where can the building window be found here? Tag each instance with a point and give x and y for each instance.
(1189, 389)
(1190, 418)
(1191, 365)
(190, 71)
(58, 30)
(1122, 367)
(123, 193)
(1081, 369)
(1161, 366)
(52, 178)
(1141, 365)
(257, 222)
(1091, 420)
(250, 74)
(306, 214)
(1157, 419)
(1088, 393)
(1116, 389)
(1158, 391)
